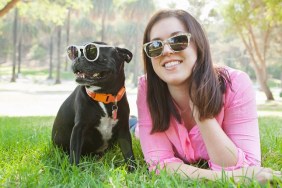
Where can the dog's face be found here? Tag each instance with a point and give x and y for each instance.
(106, 69)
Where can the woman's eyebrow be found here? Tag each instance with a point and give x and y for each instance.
(171, 35)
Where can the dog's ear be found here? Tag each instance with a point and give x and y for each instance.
(125, 54)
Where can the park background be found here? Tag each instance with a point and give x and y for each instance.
(34, 36)
(36, 76)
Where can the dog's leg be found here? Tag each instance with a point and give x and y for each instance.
(125, 144)
(76, 142)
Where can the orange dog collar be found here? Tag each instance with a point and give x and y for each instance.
(106, 98)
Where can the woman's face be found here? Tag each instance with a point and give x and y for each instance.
(174, 68)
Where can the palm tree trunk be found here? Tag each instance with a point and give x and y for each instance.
(58, 79)
(68, 37)
(51, 57)
(15, 30)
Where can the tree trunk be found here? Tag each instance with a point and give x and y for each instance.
(13, 79)
(68, 37)
(261, 76)
(136, 59)
(258, 63)
(51, 57)
(280, 94)
(266, 90)
(19, 48)
(58, 79)
(19, 56)
(103, 20)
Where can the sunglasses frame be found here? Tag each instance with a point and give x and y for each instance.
(84, 51)
(164, 42)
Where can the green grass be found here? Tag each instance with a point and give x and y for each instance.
(37, 73)
(272, 106)
(28, 159)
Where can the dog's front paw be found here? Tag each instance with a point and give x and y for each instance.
(131, 165)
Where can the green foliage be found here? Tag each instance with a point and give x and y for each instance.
(28, 159)
(259, 13)
(50, 11)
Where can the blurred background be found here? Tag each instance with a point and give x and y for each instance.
(34, 34)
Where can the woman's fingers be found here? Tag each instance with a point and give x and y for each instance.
(262, 175)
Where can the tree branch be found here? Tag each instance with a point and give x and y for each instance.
(8, 7)
(249, 48)
(266, 40)
(258, 53)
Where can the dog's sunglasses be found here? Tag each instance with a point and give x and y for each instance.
(176, 43)
(90, 51)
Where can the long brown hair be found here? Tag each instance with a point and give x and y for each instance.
(206, 83)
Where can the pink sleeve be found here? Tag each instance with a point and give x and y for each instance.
(240, 121)
(157, 148)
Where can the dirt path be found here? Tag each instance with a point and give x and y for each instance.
(26, 99)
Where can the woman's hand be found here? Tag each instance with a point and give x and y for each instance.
(261, 174)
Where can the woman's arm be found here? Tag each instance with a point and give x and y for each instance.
(156, 148)
(221, 150)
(242, 175)
(236, 143)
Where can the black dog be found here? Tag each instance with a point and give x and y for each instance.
(96, 113)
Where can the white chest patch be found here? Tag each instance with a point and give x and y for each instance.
(105, 128)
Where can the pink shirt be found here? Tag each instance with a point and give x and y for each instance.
(238, 119)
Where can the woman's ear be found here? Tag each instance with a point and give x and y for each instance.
(125, 54)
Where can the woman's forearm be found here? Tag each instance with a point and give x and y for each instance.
(188, 171)
(243, 175)
(221, 150)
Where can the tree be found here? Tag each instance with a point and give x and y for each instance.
(8, 7)
(254, 21)
(136, 13)
(15, 26)
(103, 10)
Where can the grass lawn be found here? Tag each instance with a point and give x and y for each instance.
(29, 160)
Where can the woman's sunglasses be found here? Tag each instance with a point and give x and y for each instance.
(90, 51)
(176, 43)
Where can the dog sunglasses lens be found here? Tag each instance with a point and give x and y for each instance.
(91, 51)
(72, 52)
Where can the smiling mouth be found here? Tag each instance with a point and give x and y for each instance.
(94, 76)
(171, 64)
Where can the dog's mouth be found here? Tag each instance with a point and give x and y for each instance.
(92, 76)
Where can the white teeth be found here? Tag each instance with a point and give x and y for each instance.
(171, 64)
(80, 75)
(96, 74)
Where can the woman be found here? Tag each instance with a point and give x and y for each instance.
(189, 110)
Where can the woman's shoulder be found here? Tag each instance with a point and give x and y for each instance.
(241, 85)
(142, 80)
(236, 75)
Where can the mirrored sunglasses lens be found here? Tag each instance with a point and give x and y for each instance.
(91, 51)
(72, 52)
(154, 49)
(178, 43)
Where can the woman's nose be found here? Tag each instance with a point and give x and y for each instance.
(167, 50)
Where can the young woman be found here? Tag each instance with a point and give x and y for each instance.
(190, 110)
